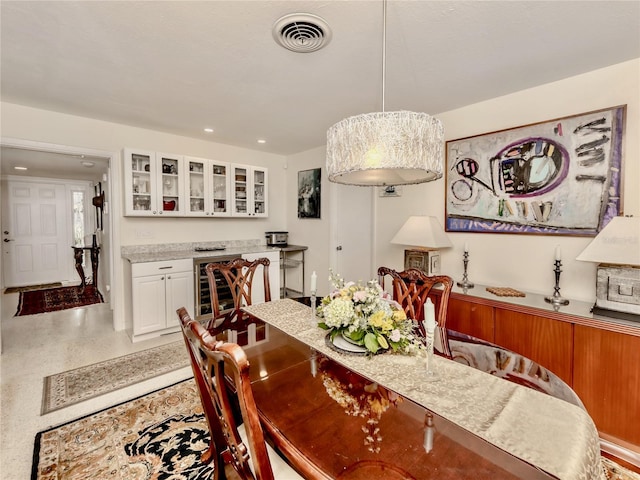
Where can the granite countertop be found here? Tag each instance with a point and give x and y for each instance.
(158, 253)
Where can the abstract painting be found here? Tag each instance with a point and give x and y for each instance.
(309, 193)
(560, 177)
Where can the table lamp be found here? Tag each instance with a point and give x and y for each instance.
(427, 236)
(617, 250)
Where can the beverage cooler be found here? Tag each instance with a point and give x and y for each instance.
(203, 303)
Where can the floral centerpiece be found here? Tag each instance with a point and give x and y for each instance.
(366, 315)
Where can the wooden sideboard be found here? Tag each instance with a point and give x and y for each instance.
(599, 357)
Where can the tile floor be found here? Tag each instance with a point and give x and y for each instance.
(36, 346)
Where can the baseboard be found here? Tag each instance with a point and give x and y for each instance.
(627, 457)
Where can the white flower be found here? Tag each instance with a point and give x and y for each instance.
(395, 335)
(338, 313)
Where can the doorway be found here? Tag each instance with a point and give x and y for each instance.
(352, 232)
(63, 170)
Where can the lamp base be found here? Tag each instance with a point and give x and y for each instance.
(618, 289)
(605, 312)
(424, 259)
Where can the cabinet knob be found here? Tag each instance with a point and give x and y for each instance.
(161, 278)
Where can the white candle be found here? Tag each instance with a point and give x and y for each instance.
(429, 316)
(558, 254)
(466, 247)
(314, 282)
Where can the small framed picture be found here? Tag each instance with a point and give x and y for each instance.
(309, 183)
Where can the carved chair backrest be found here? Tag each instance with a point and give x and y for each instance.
(221, 371)
(239, 275)
(411, 288)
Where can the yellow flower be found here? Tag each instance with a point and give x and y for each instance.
(379, 320)
(399, 315)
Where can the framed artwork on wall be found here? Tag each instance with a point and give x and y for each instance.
(309, 193)
(562, 177)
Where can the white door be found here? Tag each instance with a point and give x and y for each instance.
(351, 246)
(36, 246)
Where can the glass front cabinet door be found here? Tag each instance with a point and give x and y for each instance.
(139, 167)
(153, 183)
(249, 191)
(171, 187)
(207, 187)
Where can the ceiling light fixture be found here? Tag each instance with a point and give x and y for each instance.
(20, 168)
(262, 141)
(385, 148)
(208, 130)
(87, 164)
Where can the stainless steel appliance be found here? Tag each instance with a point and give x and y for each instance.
(277, 239)
(203, 303)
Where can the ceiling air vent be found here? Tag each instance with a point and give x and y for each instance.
(301, 32)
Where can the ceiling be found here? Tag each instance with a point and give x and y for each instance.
(180, 66)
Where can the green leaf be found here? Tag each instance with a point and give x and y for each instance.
(383, 342)
(371, 342)
(323, 326)
(356, 336)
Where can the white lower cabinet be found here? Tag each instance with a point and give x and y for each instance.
(158, 290)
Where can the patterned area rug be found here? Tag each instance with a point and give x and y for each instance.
(73, 386)
(54, 299)
(160, 435)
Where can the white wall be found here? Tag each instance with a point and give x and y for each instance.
(523, 261)
(311, 232)
(26, 123)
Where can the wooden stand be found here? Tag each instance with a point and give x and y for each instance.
(78, 254)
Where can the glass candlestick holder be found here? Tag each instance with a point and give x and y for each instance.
(431, 375)
(312, 319)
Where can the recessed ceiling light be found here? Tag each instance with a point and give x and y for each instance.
(208, 130)
(19, 168)
(87, 164)
(262, 141)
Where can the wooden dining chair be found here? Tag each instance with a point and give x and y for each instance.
(411, 288)
(239, 277)
(221, 372)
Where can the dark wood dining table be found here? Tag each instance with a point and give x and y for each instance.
(351, 427)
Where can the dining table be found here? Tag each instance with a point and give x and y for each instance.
(355, 416)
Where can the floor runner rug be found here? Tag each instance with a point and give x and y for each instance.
(31, 287)
(73, 386)
(160, 435)
(54, 299)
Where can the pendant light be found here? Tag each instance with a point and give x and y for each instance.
(385, 148)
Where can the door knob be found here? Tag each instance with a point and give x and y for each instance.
(6, 233)
(8, 240)
(339, 248)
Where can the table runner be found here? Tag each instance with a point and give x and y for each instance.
(554, 435)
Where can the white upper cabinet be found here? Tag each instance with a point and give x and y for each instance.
(249, 191)
(153, 183)
(158, 184)
(207, 187)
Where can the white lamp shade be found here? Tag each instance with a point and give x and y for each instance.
(385, 148)
(422, 231)
(618, 243)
